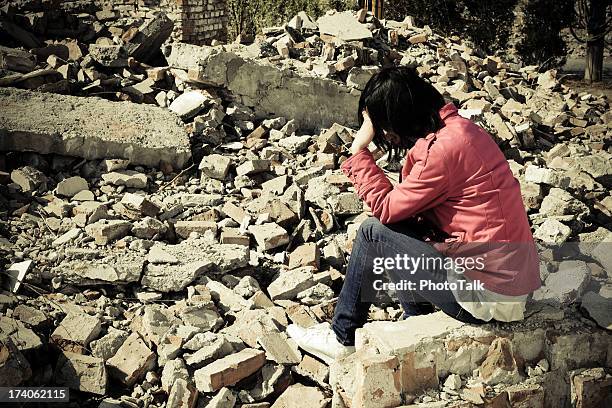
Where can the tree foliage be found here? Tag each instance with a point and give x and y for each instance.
(250, 16)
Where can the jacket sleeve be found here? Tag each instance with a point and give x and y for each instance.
(426, 186)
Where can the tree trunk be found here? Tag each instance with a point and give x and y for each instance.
(595, 46)
(594, 61)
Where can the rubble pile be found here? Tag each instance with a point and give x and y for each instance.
(169, 283)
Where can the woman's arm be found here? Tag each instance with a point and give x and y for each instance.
(425, 186)
(364, 135)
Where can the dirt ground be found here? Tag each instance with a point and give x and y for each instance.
(573, 71)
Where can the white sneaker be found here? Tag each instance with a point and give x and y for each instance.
(320, 341)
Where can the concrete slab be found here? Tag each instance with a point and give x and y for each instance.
(91, 128)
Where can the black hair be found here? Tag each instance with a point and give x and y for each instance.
(398, 100)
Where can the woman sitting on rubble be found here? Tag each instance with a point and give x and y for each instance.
(456, 200)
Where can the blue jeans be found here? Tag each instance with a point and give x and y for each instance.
(375, 240)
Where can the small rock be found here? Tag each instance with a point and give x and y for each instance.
(83, 373)
(72, 185)
(132, 361)
(29, 179)
(229, 370)
(128, 178)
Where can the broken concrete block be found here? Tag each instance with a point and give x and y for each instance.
(164, 278)
(229, 370)
(274, 379)
(208, 347)
(295, 144)
(132, 361)
(279, 348)
(247, 287)
(418, 371)
(234, 236)
(418, 38)
(189, 104)
(22, 337)
(252, 324)
(377, 381)
(33, 317)
(252, 167)
(532, 195)
(560, 202)
(358, 77)
(83, 373)
(301, 396)
(305, 255)
(226, 298)
(105, 231)
(500, 365)
(110, 56)
(598, 308)
(314, 369)
(566, 285)
(224, 398)
(269, 235)
(316, 294)
(452, 382)
(260, 300)
(346, 204)
(215, 166)
(84, 195)
(128, 178)
(76, 331)
(14, 59)
(173, 370)
(542, 175)
(156, 321)
(140, 203)
(590, 387)
(122, 267)
(142, 133)
(234, 212)
(275, 186)
(29, 179)
(204, 316)
(14, 367)
(289, 283)
(72, 185)
(143, 42)
(184, 228)
(552, 231)
(182, 395)
(343, 25)
(344, 64)
(106, 347)
(149, 228)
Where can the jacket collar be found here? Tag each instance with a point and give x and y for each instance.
(448, 110)
(445, 112)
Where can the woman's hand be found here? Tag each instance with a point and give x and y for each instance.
(364, 135)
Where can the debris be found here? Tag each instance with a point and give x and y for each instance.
(132, 361)
(343, 25)
(143, 134)
(14, 367)
(71, 186)
(229, 370)
(83, 373)
(76, 331)
(598, 308)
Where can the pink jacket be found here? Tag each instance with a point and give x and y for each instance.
(458, 179)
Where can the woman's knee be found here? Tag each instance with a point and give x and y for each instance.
(369, 228)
